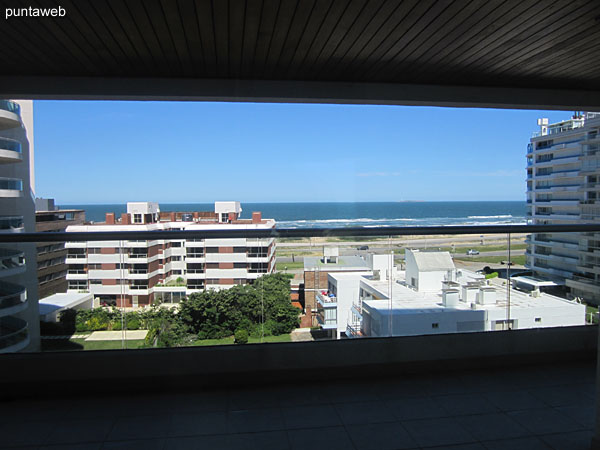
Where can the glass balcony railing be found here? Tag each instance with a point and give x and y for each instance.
(11, 223)
(11, 295)
(407, 280)
(9, 106)
(13, 333)
(10, 144)
(11, 184)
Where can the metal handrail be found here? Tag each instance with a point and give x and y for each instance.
(294, 232)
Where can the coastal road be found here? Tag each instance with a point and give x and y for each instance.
(381, 250)
(420, 242)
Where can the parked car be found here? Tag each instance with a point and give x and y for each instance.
(363, 247)
(472, 252)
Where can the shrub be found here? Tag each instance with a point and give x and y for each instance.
(241, 336)
(491, 275)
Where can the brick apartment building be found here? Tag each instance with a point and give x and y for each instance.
(137, 273)
(51, 265)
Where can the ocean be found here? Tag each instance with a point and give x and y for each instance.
(366, 214)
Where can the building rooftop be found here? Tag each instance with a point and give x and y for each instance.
(406, 300)
(433, 261)
(60, 301)
(342, 263)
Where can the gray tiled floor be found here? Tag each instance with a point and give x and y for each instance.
(537, 407)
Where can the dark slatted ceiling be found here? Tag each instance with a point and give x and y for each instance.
(519, 43)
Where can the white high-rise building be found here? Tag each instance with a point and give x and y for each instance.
(19, 318)
(563, 187)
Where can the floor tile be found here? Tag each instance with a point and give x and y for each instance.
(489, 427)
(514, 400)
(416, 408)
(253, 399)
(584, 415)
(86, 430)
(254, 420)
(544, 421)
(331, 438)
(140, 428)
(193, 424)
(525, 443)
(135, 444)
(465, 404)
(364, 412)
(381, 436)
(25, 433)
(310, 416)
(79, 446)
(441, 431)
(578, 440)
(564, 395)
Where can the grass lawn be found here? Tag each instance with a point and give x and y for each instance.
(519, 259)
(251, 340)
(58, 345)
(290, 265)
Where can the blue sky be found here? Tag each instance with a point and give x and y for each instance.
(113, 152)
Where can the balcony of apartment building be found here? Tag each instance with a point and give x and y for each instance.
(327, 310)
(10, 151)
(10, 115)
(11, 187)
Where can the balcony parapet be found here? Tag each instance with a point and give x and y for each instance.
(14, 335)
(13, 298)
(12, 262)
(11, 187)
(10, 115)
(10, 151)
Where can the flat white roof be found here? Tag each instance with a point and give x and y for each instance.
(535, 282)
(408, 301)
(62, 301)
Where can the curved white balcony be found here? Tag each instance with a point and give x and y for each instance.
(10, 115)
(10, 151)
(11, 224)
(11, 187)
(13, 298)
(12, 262)
(13, 334)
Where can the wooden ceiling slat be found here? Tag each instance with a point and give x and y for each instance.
(433, 25)
(122, 29)
(187, 9)
(582, 59)
(372, 9)
(297, 29)
(220, 15)
(96, 25)
(157, 18)
(97, 47)
(251, 30)
(527, 43)
(388, 18)
(138, 13)
(263, 42)
(25, 53)
(348, 19)
(174, 22)
(332, 18)
(237, 23)
(534, 38)
(204, 17)
(283, 24)
(459, 38)
(567, 31)
(57, 38)
(307, 39)
(482, 54)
